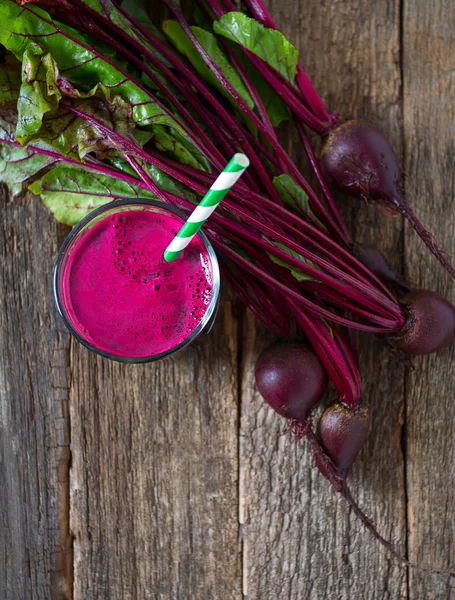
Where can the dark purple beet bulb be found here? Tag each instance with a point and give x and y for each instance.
(343, 432)
(291, 379)
(360, 161)
(375, 261)
(430, 325)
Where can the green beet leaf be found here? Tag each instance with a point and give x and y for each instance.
(299, 275)
(174, 145)
(39, 114)
(10, 84)
(163, 181)
(209, 42)
(294, 197)
(39, 93)
(328, 327)
(139, 10)
(167, 184)
(19, 165)
(292, 194)
(201, 19)
(269, 45)
(72, 192)
(75, 137)
(276, 109)
(68, 134)
(107, 9)
(82, 66)
(152, 85)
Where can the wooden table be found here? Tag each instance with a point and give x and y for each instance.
(173, 481)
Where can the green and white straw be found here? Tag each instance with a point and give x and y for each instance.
(221, 186)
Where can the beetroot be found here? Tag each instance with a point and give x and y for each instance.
(430, 325)
(343, 432)
(291, 379)
(359, 160)
(375, 261)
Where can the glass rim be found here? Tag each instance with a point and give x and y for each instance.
(211, 308)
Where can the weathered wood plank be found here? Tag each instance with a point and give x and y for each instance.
(300, 540)
(35, 543)
(154, 481)
(429, 117)
(154, 478)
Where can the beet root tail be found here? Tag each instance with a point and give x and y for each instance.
(346, 493)
(428, 239)
(339, 484)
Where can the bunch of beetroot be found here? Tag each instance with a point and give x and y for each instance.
(127, 108)
(292, 381)
(359, 160)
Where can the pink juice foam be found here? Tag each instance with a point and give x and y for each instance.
(123, 298)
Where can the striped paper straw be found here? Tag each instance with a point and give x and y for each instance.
(221, 186)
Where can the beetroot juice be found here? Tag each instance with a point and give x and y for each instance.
(118, 295)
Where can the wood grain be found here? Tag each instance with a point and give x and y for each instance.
(300, 540)
(429, 117)
(154, 476)
(35, 542)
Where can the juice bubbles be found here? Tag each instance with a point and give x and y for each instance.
(119, 296)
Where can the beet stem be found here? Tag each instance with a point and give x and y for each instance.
(322, 183)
